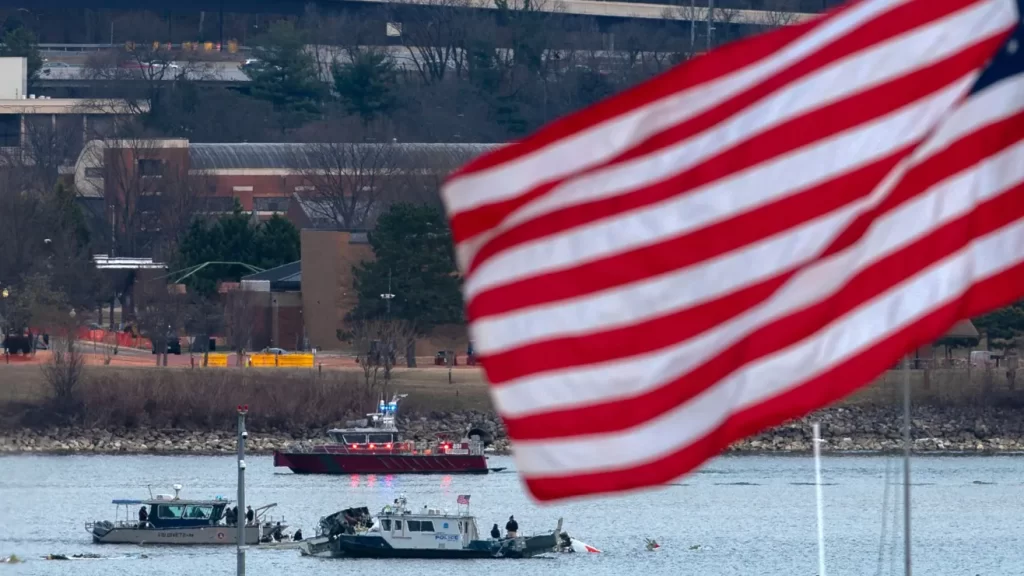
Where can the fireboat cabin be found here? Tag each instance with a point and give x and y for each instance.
(375, 446)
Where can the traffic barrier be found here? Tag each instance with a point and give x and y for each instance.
(263, 360)
(217, 360)
(295, 361)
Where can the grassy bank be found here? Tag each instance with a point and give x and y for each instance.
(131, 397)
(110, 397)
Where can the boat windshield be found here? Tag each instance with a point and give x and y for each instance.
(354, 438)
(381, 438)
(184, 512)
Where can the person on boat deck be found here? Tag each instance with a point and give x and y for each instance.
(143, 516)
(276, 534)
(495, 533)
(298, 535)
(512, 527)
(249, 514)
(229, 516)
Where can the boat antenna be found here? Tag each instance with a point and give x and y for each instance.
(150, 488)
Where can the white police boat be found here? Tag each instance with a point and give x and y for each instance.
(399, 531)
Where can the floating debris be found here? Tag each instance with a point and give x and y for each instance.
(651, 544)
(86, 556)
(12, 559)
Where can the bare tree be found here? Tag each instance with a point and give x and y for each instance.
(63, 373)
(48, 144)
(776, 14)
(436, 42)
(376, 344)
(160, 315)
(348, 181)
(204, 317)
(240, 320)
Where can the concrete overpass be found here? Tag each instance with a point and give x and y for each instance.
(595, 8)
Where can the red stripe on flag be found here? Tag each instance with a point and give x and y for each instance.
(628, 412)
(839, 382)
(897, 21)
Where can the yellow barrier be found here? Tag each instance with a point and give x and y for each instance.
(295, 361)
(217, 360)
(263, 360)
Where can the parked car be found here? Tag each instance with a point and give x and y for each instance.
(173, 346)
(15, 343)
(274, 351)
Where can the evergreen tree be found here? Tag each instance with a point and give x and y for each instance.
(285, 74)
(367, 85)
(1004, 327)
(413, 249)
(235, 238)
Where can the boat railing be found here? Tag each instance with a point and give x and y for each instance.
(416, 448)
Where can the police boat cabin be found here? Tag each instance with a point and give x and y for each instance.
(166, 519)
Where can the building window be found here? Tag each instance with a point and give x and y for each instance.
(241, 188)
(10, 130)
(150, 167)
(270, 204)
(218, 204)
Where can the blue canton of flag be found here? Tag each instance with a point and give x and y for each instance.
(1008, 61)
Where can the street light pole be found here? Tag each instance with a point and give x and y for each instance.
(388, 296)
(241, 519)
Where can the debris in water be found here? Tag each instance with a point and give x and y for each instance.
(12, 559)
(72, 557)
(651, 544)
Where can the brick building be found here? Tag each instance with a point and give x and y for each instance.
(265, 178)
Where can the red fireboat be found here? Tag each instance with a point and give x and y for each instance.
(377, 448)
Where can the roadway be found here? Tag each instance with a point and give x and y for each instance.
(597, 8)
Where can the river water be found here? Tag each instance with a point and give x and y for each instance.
(739, 515)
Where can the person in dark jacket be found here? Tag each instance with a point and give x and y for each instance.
(512, 527)
(143, 516)
(298, 535)
(249, 514)
(495, 533)
(229, 517)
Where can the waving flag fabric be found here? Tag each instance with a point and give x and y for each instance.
(746, 238)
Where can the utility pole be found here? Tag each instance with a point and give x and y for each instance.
(241, 519)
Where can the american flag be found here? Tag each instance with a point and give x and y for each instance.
(463, 499)
(744, 239)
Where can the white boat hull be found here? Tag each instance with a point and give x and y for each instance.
(205, 535)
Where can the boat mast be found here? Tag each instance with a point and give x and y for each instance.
(906, 465)
(240, 519)
(819, 498)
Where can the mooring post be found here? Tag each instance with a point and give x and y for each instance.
(240, 519)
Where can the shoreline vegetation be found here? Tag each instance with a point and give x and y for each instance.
(173, 411)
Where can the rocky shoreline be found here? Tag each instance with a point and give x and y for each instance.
(961, 429)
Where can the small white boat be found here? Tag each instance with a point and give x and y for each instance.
(177, 521)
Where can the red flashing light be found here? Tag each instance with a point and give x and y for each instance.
(388, 446)
(354, 446)
(372, 446)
